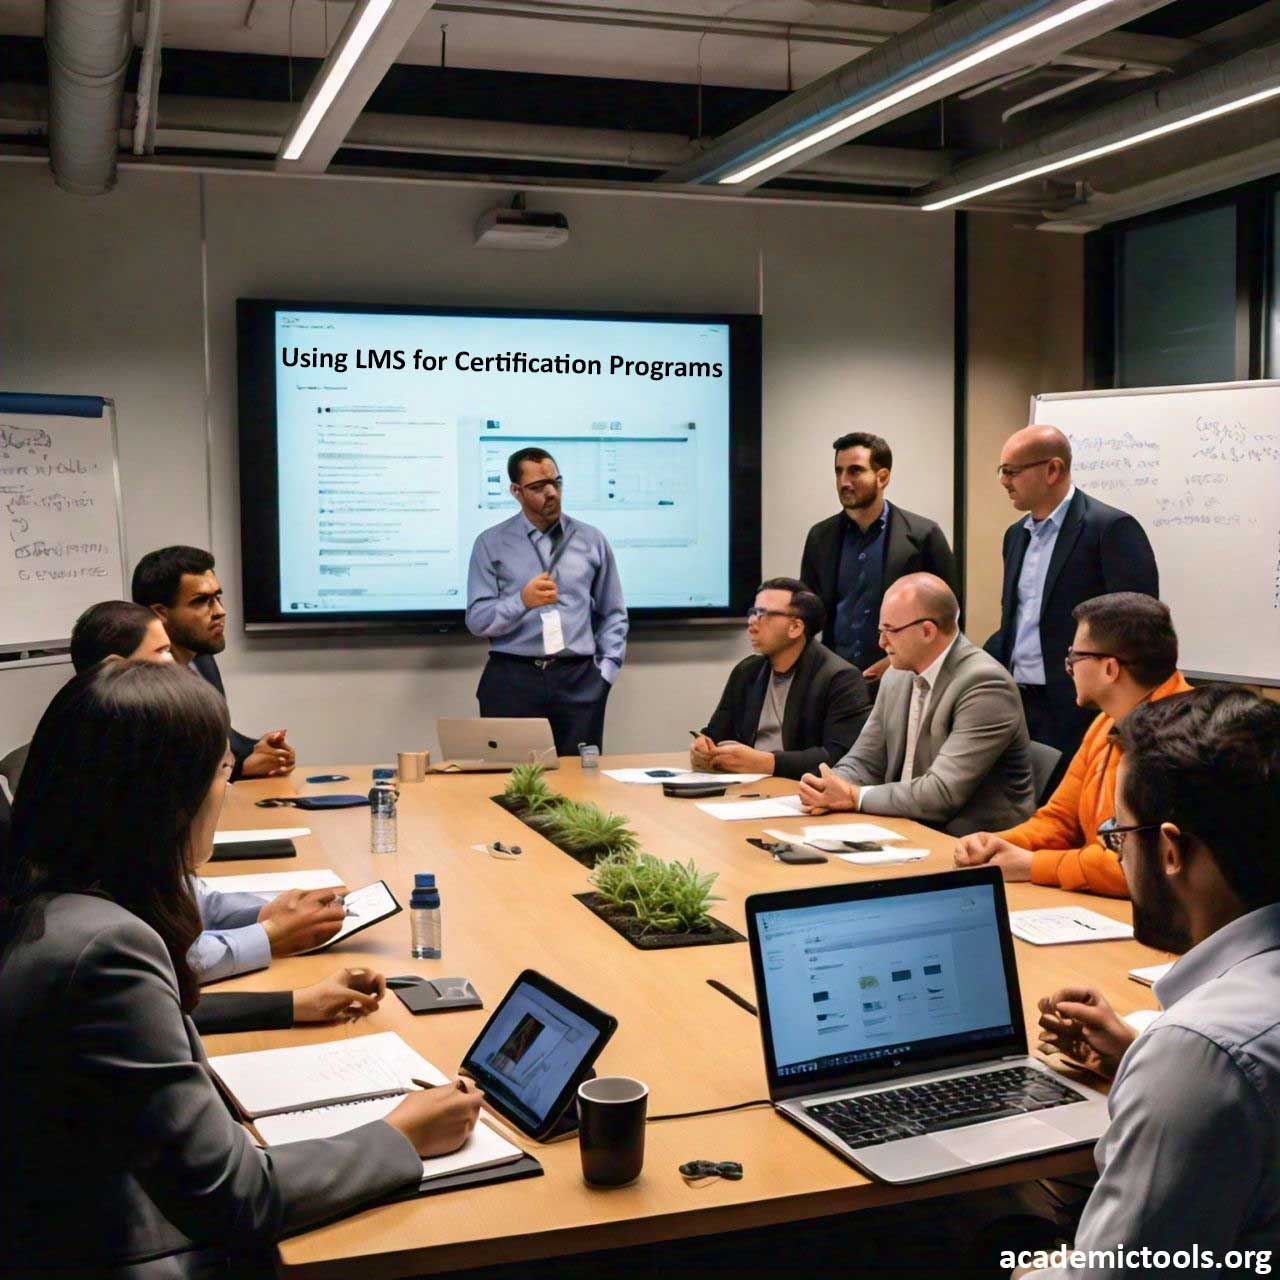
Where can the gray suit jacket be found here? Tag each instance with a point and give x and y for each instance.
(120, 1155)
(972, 769)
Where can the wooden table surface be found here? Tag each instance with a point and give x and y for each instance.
(693, 1047)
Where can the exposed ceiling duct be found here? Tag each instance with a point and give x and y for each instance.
(236, 125)
(1252, 77)
(88, 43)
(902, 75)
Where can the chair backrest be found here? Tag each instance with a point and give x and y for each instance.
(11, 767)
(1044, 760)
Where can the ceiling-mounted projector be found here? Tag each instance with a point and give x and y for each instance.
(521, 229)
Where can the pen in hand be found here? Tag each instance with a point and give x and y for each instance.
(426, 1084)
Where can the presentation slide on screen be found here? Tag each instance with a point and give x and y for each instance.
(394, 431)
(854, 981)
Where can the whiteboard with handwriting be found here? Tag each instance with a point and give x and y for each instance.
(1199, 466)
(62, 547)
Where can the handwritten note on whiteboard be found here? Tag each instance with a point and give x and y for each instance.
(60, 541)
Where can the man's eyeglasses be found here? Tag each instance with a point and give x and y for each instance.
(1007, 472)
(1075, 655)
(541, 486)
(1111, 836)
(893, 631)
(754, 615)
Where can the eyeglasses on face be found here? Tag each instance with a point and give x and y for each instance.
(541, 486)
(893, 631)
(1075, 655)
(1007, 472)
(754, 615)
(1111, 836)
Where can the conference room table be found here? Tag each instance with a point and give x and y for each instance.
(694, 1048)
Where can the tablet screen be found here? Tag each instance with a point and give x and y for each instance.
(533, 1050)
(364, 907)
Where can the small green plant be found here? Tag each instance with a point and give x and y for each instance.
(665, 897)
(585, 830)
(527, 789)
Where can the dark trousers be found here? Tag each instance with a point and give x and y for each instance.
(1054, 718)
(569, 692)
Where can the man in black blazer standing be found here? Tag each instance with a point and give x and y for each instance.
(1069, 548)
(853, 558)
(179, 586)
(793, 705)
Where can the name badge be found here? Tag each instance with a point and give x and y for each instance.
(552, 632)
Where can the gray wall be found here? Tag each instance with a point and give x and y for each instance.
(104, 296)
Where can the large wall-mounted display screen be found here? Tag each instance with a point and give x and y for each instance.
(374, 443)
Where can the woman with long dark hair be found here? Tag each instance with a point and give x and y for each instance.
(120, 1158)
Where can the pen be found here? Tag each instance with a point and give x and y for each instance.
(734, 996)
(426, 1084)
(1083, 924)
(750, 795)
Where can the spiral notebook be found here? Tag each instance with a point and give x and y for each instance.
(319, 1090)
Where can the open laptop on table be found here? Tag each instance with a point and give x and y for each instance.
(893, 1029)
(480, 745)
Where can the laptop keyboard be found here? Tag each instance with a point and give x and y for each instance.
(954, 1103)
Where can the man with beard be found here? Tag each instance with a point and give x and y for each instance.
(178, 585)
(1189, 1161)
(544, 590)
(1125, 652)
(853, 558)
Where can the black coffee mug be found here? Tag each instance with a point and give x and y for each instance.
(611, 1114)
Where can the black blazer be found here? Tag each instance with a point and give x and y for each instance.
(1099, 550)
(222, 1011)
(826, 709)
(915, 545)
(241, 745)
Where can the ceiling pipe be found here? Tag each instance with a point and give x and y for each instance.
(231, 124)
(904, 74)
(144, 128)
(88, 44)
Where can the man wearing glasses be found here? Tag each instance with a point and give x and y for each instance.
(1069, 548)
(544, 590)
(1125, 653)
(793, 705)
(1189, 1160)
(945, 743)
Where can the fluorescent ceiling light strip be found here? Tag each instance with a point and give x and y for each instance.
(336, 77)
(952, 69)
(1093, 153)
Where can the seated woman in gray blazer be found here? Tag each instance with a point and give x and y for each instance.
(121, 1158)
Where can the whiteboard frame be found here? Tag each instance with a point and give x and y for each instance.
(1048, 397)
(48, 659)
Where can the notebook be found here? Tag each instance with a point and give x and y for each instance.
(319, 1090)
(273, 882)
(1150, 974)
(1050, 926)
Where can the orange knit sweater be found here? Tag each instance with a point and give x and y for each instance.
(1063, 834)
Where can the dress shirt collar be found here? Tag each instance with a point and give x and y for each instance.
(530, 528)
(1054, 519)
(1246, 936)
(933, 670)
(873, 530)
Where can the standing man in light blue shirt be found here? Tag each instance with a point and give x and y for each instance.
(1069, 548)
(1190, 1164)
(544, 590)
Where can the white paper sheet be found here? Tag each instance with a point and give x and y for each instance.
(316, 1075)
(852, 831)
(1141, 1019)
(268, 833)
(644, 778)
(1053, 925)
(774, 807)
(884, 857)
(273, 882)
(1150, 974)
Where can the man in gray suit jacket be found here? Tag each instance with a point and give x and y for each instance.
(946, 743)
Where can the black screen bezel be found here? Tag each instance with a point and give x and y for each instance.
(259, 467)
(605, 1025)
(785, 1087)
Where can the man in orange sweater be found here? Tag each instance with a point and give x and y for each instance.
(1125, 652)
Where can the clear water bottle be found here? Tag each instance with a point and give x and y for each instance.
(382, 818)
(424, 917)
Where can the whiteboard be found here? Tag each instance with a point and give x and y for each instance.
(62, 547)
(1200, 468)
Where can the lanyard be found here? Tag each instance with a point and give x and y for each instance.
(548, 566)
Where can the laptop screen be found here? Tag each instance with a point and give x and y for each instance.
(885, 981)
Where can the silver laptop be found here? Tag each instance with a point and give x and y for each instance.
(482, 745)
(893, 1029)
